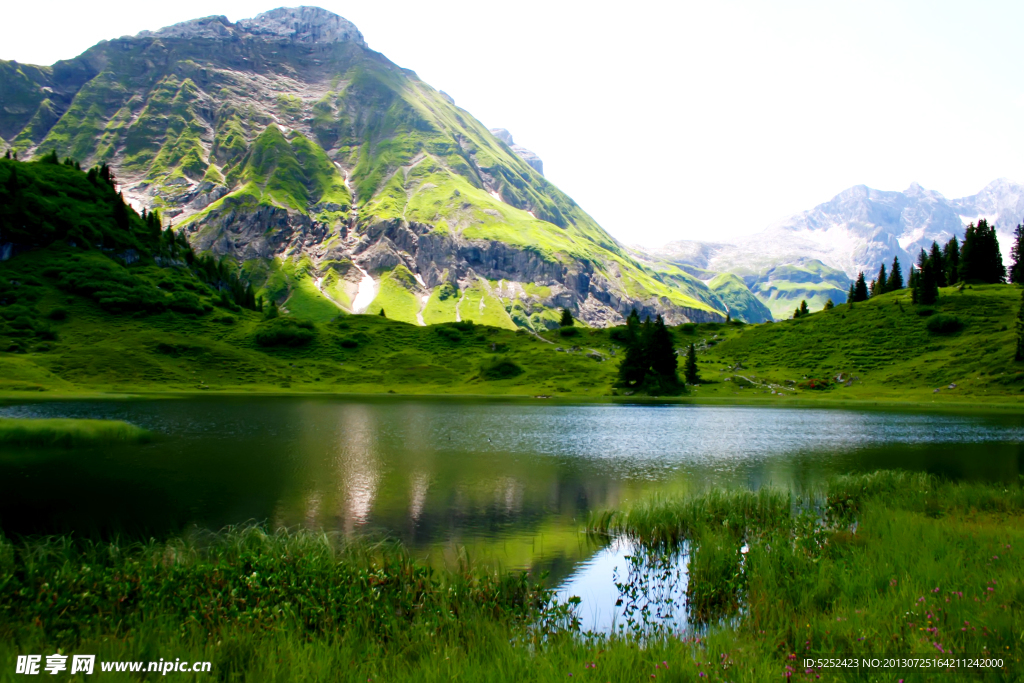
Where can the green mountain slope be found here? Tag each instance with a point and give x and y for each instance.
(286, 144)
(95, 298)
(742, 303)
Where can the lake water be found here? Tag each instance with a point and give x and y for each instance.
(507, 482)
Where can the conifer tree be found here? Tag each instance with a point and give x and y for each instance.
(829, 305)
(566, 320)
(803, 308)
(938, 265)
(1017, 254)
(691, 371)
(633, 367)
(381, 314)
(662, 353)
(912, 277)
(850, 294)
(860, 288)
(980, 260)
(895, 282)
(951, 255)
(881, 281)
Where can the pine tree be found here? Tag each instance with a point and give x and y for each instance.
(938, 265)
(980, 260)
(728, 317)
(860, 288)
(895, 282)
(381, 314)
(880, 282)
(951, 254)
(633, 368)
(566, 320)
(662, 353)
(926, 290)
(691, 371)
(850, 294)
(912, 277)
(1020, 331)
(1017, 254)
(829, 305)
(803, 308)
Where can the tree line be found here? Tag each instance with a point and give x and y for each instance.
(976, 259)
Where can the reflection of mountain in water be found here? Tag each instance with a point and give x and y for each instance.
(511, 483)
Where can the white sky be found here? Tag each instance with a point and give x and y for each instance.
(680, 120)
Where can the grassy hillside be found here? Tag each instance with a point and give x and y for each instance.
(97, 299)
(741, 302)
(56, 338)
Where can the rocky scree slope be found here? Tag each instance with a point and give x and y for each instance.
(335, 179)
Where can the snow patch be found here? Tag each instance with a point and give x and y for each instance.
(366, 292)
(497, 196)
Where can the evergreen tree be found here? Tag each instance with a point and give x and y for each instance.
(850, 294)
(895, 282)
(880, 282)
(912, 277)
(728, 317)
(926, 290)
(860, 288)
(951, 255)
(938, 265)
(272, 312)
(1017, 254)
(829, 305)
(980, 260)
(662, 353)
(691, 371)
(633, 367)
(381, 314)
(803, 308)
(1020, 331)
(566, 320)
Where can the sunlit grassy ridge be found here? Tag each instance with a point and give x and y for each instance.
(373, 136)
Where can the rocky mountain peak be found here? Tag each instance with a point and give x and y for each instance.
(530, 157)
(297, 24)
(303, 25)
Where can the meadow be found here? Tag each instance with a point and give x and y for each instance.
(886, 564)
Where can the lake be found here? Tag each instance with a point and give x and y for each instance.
(509, 482)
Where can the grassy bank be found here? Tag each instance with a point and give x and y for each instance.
(58, 338)
(68, 433)
(881, 564)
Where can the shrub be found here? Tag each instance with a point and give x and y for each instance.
(568, 331)
(285, 332)
(449, 332)
(688, 328)
(925, 311)
(500, 368)
(944, 324)
(58, 314)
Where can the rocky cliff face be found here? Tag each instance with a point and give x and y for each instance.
(334, 178)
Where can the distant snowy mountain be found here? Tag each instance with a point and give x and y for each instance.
(807, 255)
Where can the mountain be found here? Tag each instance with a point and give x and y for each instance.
(815, 254)
(531, 158)
(333, 179)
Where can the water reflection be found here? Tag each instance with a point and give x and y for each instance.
(511, 482)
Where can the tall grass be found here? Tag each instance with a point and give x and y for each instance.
(68, 433)
(880, 564)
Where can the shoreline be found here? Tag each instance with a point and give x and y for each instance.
(887, 404)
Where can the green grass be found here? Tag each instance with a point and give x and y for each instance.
(884, 564)
(67, 433)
